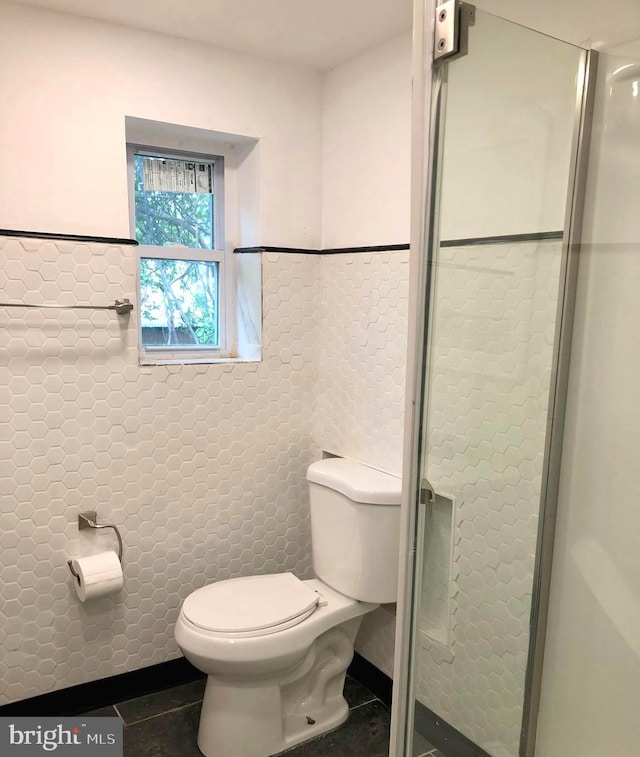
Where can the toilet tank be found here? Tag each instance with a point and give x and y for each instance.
(355, 528)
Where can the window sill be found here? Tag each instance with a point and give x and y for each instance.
(245, 354)
(198, 361)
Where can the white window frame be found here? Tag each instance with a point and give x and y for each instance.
(221, 254)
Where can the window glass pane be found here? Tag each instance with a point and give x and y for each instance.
(174, 202)
(179, 302)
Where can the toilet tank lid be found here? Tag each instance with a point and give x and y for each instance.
(356, 481)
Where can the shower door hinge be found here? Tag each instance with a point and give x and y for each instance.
(453, 19)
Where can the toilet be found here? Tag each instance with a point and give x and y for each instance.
(276, 648)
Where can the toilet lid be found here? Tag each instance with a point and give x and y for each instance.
(251, 606)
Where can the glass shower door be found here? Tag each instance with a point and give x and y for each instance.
(504, 168)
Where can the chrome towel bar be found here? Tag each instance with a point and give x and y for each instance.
(122, 307)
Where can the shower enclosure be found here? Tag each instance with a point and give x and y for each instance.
(497, 217)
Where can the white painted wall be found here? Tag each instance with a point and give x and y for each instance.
(366, 148)
(67, 84)
(591, 680)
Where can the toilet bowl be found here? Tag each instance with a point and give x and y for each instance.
(276, 648)
(270, 688)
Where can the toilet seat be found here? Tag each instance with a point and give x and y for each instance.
(251, 606)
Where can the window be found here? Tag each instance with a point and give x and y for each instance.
(177, 215)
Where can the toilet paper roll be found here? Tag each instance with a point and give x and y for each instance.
(99, 575)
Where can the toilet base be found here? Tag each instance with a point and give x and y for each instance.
(260, 718)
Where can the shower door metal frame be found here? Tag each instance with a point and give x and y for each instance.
(425, 194)
(574, 212)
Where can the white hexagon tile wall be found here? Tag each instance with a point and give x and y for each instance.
(493, 337)
(363, 351)
(202, 466)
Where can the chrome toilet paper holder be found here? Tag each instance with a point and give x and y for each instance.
(89, 520)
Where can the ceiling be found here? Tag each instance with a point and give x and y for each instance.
(321, 34)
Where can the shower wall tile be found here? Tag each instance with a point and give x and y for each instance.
(493, 335)
(363, 325)
(202, 466)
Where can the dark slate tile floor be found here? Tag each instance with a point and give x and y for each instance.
(423, 748)
(165, 724)
(365, 734)
(162, 702)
